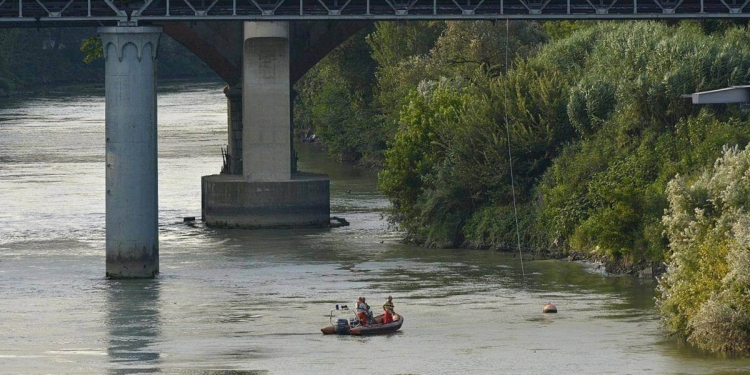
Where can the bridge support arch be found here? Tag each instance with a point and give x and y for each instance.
(132, 235)
(269, 192)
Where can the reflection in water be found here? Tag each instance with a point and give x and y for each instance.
(134, 325)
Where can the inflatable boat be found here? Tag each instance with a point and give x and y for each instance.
(352, 326)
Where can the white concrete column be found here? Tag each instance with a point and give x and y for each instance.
(266, 87)
(132, 239)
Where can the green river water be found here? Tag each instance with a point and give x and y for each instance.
(253, 301)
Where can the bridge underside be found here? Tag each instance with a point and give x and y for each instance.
(46, 13)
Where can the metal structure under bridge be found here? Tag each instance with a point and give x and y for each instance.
(47, 13)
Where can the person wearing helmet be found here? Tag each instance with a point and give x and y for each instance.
(388, 308)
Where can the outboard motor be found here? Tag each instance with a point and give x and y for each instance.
(342, 326)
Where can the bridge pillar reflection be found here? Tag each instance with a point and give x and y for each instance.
(132, 238)
(269, 192)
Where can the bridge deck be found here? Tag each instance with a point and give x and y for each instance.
(41, 13)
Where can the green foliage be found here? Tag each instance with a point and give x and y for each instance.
(353, 98)
(450, 155)
(557, 30)
(465, 46)
(606, 191)
(400, 51)
(705, 294)
(394, 42)
(427, 124)
(92, 49)
(450, 158)
(443, 49)
(335, 100)
(494, 227)
(590, 105)
(598, 128)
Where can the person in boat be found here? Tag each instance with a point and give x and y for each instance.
(388, 310)
(362, 311)
(368, 311)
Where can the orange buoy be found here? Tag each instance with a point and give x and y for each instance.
(549, 308)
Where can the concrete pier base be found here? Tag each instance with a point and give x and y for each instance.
(234, 202)
(261, 189)
(132, 212)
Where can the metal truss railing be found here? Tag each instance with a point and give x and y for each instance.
(40, 13)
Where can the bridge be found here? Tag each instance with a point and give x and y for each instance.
(41, 13)
(260, 48)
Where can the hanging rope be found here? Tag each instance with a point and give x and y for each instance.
(510, 155)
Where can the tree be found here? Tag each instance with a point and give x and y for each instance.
(705, 295)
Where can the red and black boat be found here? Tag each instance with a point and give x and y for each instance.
(352, 326)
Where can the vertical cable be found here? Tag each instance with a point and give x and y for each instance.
(510, 155)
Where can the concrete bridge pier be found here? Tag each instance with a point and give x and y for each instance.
(132, 239)
(267, 193)
(266, 102)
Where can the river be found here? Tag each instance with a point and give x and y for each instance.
(253, 301)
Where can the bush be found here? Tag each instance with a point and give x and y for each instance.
(705, 295)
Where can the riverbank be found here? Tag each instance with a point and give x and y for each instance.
(601, 262)
(641, 268)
